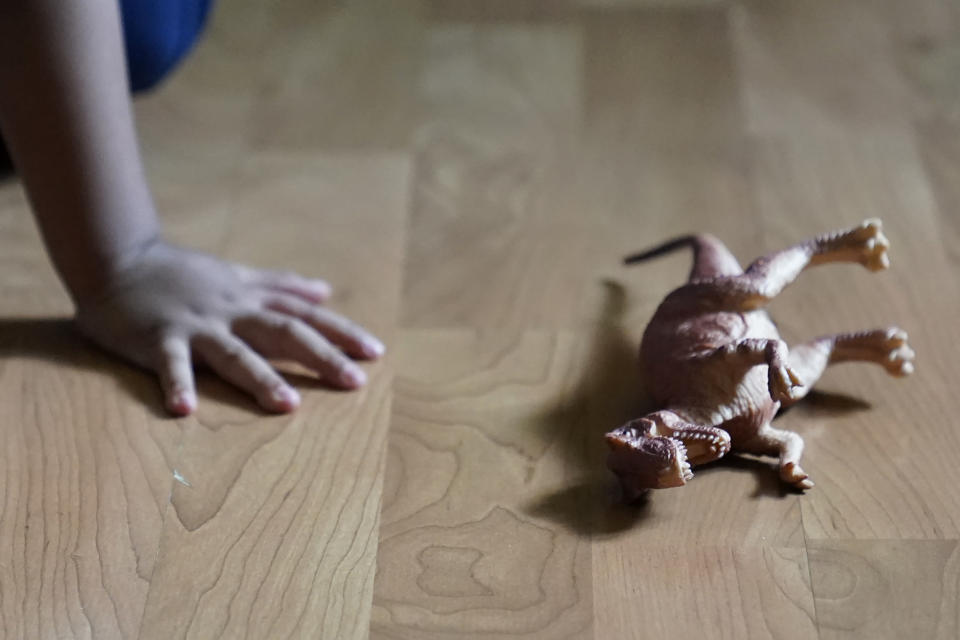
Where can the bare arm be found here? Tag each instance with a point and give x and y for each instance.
(66, 114)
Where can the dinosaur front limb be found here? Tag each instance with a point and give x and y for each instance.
(886, 347)
(789, 446)
(783, 382)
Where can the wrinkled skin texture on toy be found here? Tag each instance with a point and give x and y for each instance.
(714, 361)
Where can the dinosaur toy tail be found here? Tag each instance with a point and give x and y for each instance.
(659, 250)
(711, 258)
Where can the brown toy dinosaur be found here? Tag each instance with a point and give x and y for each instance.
(714, 360)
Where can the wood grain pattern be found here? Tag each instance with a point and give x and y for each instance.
(468, 176)
(879, 176)
(886, 588)
(820, 66)
(197, 126)
(284, 522)
(340, 75)
(498, 105)
(463, 546)
(85, 484)
(937, 141)
(654, 590)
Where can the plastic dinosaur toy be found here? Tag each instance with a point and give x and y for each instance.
(714, 361)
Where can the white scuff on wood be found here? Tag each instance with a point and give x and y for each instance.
(179, 478)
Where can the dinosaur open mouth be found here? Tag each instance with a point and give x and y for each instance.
(668, 454)
(680, 465)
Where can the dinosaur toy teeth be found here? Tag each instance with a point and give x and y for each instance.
(685, 463)
(647, 460)
(679, 471)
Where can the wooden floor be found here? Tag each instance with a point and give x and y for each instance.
(469, 174)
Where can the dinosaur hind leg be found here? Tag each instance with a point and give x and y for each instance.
(786, 444)
(886, 347)
(767, 276)
(712, 259)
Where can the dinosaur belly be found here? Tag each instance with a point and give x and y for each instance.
(710, 391)
(739, 406)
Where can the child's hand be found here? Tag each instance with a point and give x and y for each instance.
(171, 307)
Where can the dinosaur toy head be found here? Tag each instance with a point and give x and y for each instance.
(644, 460)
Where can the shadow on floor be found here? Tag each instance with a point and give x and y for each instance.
(765, 472)
(56, 341)
(7, 171)
(827, 404)
(609, 392)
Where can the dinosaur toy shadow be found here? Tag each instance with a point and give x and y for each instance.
(608, 392)
(6, 164)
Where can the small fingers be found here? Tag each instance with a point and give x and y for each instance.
(346, 334)
(309, 289)
(281, 336)
(176, 376)
(239, 365)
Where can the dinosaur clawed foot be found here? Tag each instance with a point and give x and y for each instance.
(875, 244)
(899, 356)
(792, 474)
(866, 243)
(887, 347)
(785, 385)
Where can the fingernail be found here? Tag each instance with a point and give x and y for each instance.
(182, 402)
(373, 347)
(353, 376)
(286, 396)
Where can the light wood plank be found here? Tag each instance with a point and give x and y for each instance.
(340, 76)
(886, 588)
(499, 106)
(662, 152)
(651, 4)
(196, 127)
(877, 475)
(548, 139)
(662, 79)
(823, 65)
(478, 440)
(501, 11)
(657, 589)
(85, 482)
(666, 156)
(273, 530)
(937, 141)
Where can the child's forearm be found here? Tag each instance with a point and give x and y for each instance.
(65, 114)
